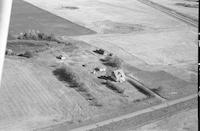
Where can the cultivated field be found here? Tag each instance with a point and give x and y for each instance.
(56, 80)
(26, 17)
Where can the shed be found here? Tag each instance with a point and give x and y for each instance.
(118, 75)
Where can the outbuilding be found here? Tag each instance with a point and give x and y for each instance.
(118, 76)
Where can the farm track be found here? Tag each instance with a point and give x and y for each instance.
(171, 12)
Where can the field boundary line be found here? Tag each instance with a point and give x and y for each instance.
(171, 12)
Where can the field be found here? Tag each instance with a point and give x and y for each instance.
(48, 99)
(61, 82)
(187, 7)
(51, 98)
(26, 17)
(173, 123)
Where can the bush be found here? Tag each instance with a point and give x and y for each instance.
(114, 87)
(51, 37)
(99, 51)
(9, 52)
(27, 54)
(36, 35)
(67, 75)
(188, 5)
(113, 61)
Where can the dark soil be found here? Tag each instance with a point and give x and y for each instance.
(26, 17)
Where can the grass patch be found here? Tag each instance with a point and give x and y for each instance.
(114, 87)
(20, 46)
(112, 61)
(70, 47)
(11, 37)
